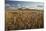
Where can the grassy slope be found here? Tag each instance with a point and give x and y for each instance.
(25, 18)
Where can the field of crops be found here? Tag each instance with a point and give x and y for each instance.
(24, 19)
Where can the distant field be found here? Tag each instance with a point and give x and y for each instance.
(24, 19)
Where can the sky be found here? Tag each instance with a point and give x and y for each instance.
(26, 4)
(27, 0)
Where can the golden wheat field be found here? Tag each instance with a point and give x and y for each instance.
(24, 19)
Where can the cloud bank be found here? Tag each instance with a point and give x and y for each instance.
(21, 4)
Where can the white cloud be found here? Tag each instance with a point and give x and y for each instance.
(7, 5)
